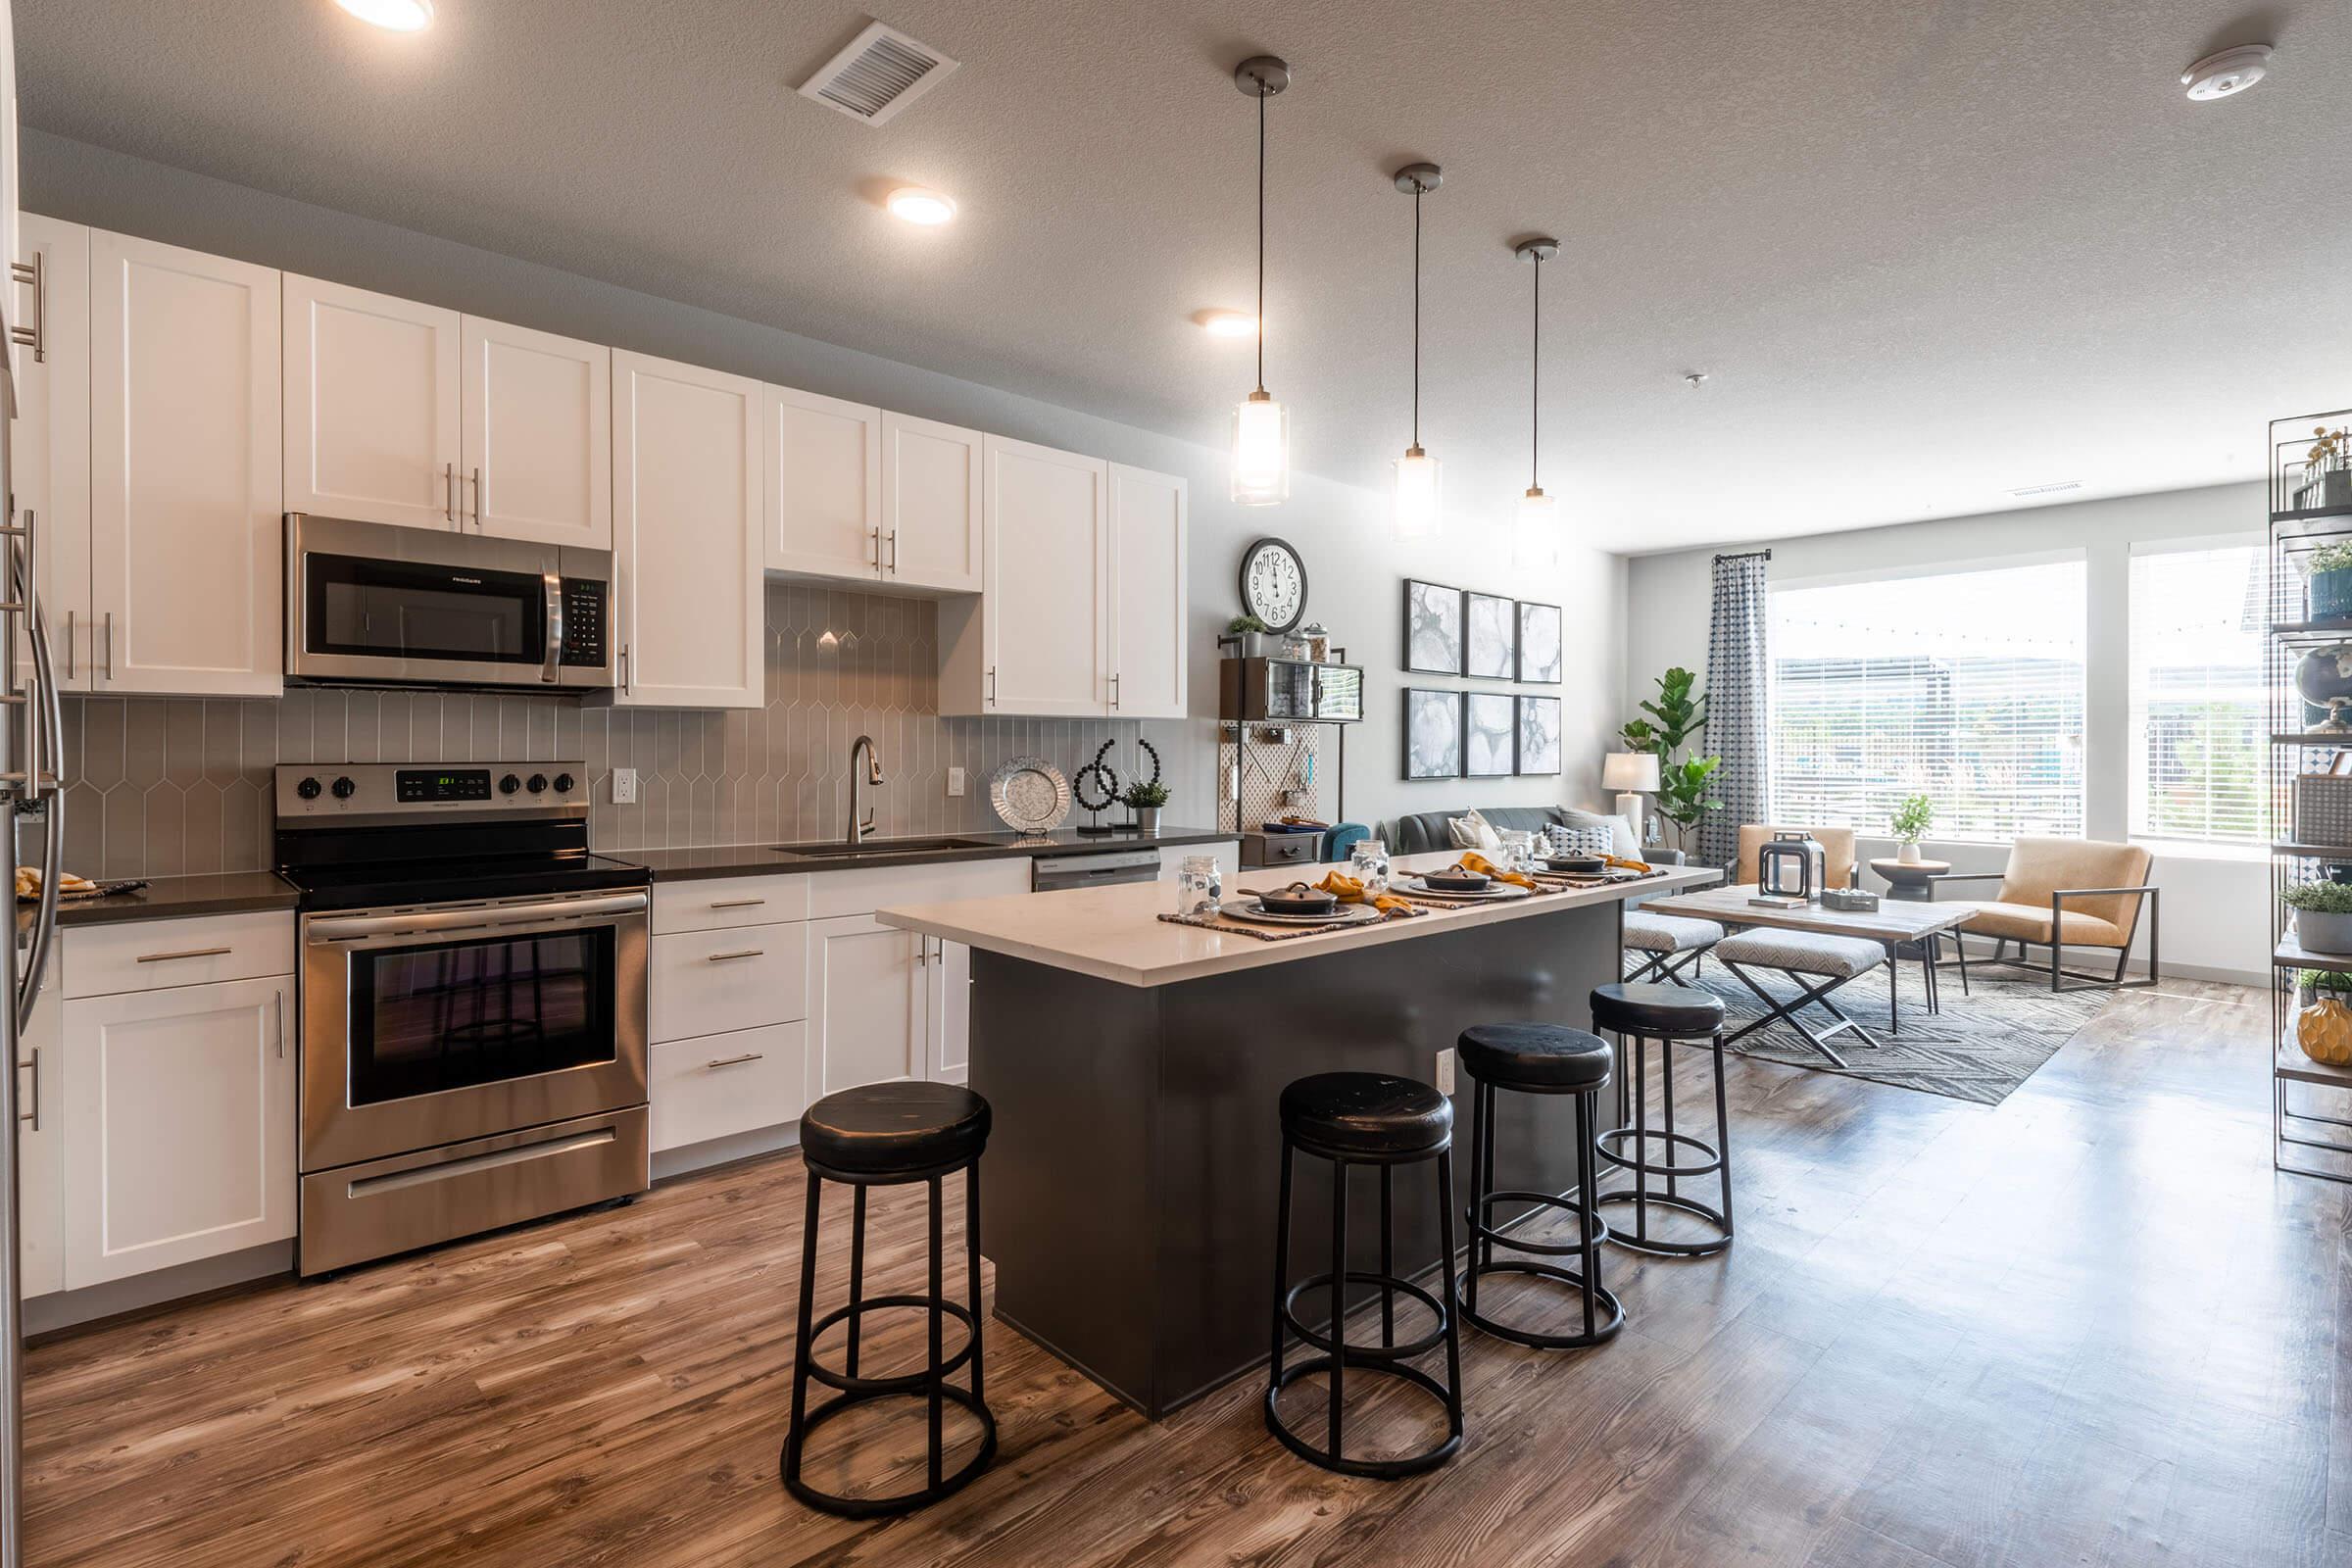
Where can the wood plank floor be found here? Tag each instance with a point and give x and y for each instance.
(2086, 1326)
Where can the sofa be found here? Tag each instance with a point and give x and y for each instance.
(1425, 830)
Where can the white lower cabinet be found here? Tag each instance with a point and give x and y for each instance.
(181, 1110)
(951, 1011)
(712, 982)
(869, 1003)
(718, 1085)
(41, 1145)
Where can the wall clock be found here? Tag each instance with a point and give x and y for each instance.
(1274, 584)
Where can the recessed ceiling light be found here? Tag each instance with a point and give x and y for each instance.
(1228, 324)
(2226, 74)
(2052, 488)
(397, 15)
(920, 206)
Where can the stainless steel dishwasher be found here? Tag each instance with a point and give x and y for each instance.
(1084, 869)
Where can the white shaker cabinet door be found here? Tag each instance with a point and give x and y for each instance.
(686, 482)
(41, 1139)
(182, 1106)
(949, 973)
(371, 400)
(535, 456)
(825, 491)
(931, 505)
(1046, 621)
(1148, 597)
(50, 448)
(186, 491)
(869, 1003)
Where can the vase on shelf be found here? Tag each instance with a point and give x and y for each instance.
(2324, 1031)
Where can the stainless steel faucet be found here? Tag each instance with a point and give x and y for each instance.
(862, 828)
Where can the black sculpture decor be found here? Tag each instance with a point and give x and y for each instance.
(1099, 771)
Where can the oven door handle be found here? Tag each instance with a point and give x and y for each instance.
(325, 929)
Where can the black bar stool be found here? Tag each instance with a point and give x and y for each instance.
(891, 1135)
(1669, 1015)
(1538, 1058)
(1366, 1118)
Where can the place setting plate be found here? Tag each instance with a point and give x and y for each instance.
(1256, 914)
(1492, 893)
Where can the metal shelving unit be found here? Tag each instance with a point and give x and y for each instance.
(2311, 1126)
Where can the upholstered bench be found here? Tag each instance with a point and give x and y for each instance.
(1818, 964)
(1669, 945)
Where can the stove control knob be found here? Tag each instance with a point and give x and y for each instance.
(538, 784)
(563, 783)
(307, 789)
(345, 789)
(509, 785)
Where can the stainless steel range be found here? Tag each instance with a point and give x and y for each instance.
(472, 1002)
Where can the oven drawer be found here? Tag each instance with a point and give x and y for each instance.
(725, 1084)
(384, 1206)
(103, 960)
(713, 904)
(712, 982)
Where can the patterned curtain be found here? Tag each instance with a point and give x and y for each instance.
(1739, 689)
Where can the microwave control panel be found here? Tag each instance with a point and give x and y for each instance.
(585, 612)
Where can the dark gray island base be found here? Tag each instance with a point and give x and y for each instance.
(1133, 1170)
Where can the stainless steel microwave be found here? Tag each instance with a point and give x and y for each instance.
(372, 604)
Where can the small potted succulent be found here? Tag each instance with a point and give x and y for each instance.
(1256, 637)
(1914, 814)
(2328, 582)
(2327, 471)
(2323, 916)
(2323, 1018)
(1146, 798)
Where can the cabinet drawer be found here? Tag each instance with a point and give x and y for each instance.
(724, 1084)
(708, 981)
(102, 961)
(1281, 848)
(713, 903)
(832, 894)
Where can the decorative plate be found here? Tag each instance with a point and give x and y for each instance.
(1498, 889)
(1346, 915)
(1030, 794)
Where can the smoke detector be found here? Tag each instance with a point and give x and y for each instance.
(2228, 73)
(879, 74)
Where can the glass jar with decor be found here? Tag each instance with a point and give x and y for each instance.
(2327, 471)
(2323, 916)
(2324, 1016)
(1145, 798)
(2327, 581)
(1914, 814)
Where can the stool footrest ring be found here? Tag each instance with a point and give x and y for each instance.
(1480, 1231)
(900, 1384)
(1641, 1161)
(1378, 1469)
(1689, 1205)
(900, 1503)
(1365, 1354)
(1612, 1312)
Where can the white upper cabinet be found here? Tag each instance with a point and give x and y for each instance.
(687, 468)
(824, 486)
(1044, 631)
(186, 543)
(931, 505)
(1148, 602)
(535, 456)
(50, 447)
(371, 400)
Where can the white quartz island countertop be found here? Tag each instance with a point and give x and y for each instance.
(1113, 933)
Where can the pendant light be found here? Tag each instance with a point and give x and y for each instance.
(1417, 496)
(1261, 426)
(1536, 540)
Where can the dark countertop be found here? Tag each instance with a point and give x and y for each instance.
(231, 893)
(752, 859)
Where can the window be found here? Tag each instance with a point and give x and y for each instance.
(1964, 686)
(2197, 695)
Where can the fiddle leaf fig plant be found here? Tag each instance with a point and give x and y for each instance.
(1673, 720)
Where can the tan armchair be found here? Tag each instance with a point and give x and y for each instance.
(1837, 846)
(2067, 893)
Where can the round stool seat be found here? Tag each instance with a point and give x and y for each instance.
(1655, 1011)
(880, 1129)
(1535, 1056)
(1366, 1113)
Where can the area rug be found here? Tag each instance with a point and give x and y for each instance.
(1981, 1047)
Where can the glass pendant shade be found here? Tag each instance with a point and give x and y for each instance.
(1262, 451)
(1535, 535)
(1418, 501)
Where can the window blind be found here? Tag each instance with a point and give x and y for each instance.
(1964, 686)
(2197, 725)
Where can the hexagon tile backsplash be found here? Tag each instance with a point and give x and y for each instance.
(163, 786)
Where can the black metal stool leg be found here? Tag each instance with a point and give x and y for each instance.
(971, 1264)
(1586, 1215)
(1666, 1098)
(1722, 1138)
(1282, 1259)
(1480, 1250)
(1453, 1327)
(1486, 1154)
(848, 1360)
(1388, 1264)
(938, 1315)
(1338, 1300)
(800, 1347)
(1641, 1094)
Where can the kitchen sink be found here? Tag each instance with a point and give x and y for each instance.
(881, 849)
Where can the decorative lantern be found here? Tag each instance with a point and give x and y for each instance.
(1791, 865)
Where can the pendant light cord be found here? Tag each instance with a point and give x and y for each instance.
(1534, 388)
(1417, 192)
(1261, 235)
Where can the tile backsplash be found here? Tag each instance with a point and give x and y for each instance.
(164, 786)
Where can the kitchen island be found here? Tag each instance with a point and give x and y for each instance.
(1129, 1189)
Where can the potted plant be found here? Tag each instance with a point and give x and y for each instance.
(1145, 799)
(1677, 714)
(1914, 814)
(2323, 916)
(2328, 582)
(2324, 1020)
(1258, 638)
(2327, 471)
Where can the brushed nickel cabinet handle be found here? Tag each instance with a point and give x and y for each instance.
(481, 500)
(281, 1005)
(991, 685)
(624, 669)
(33, 1115)
(746, 953)
(736, 903)
(37, 336)
(734, 1061)
(70, 643)
(1114, 690)
(192, 952)
(893, 552)
(448, 492)
(874, 543)
(109, 670)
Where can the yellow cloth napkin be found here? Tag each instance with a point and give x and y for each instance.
(1624, 864)
(1350, 889)
(1474, 861)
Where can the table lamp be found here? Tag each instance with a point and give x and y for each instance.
(1629, 773)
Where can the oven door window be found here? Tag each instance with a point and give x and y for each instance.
(408, 610)
(458, 1015)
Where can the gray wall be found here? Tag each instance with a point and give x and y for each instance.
(1355, 569)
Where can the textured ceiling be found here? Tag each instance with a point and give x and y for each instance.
(1924, 252)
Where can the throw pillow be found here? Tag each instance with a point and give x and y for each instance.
(1472, 831)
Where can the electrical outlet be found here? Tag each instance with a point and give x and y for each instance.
(1445, 1072)
(624, 786)
(954, 781)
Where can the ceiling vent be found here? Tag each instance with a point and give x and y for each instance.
(879, 74)
(2060, 487)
